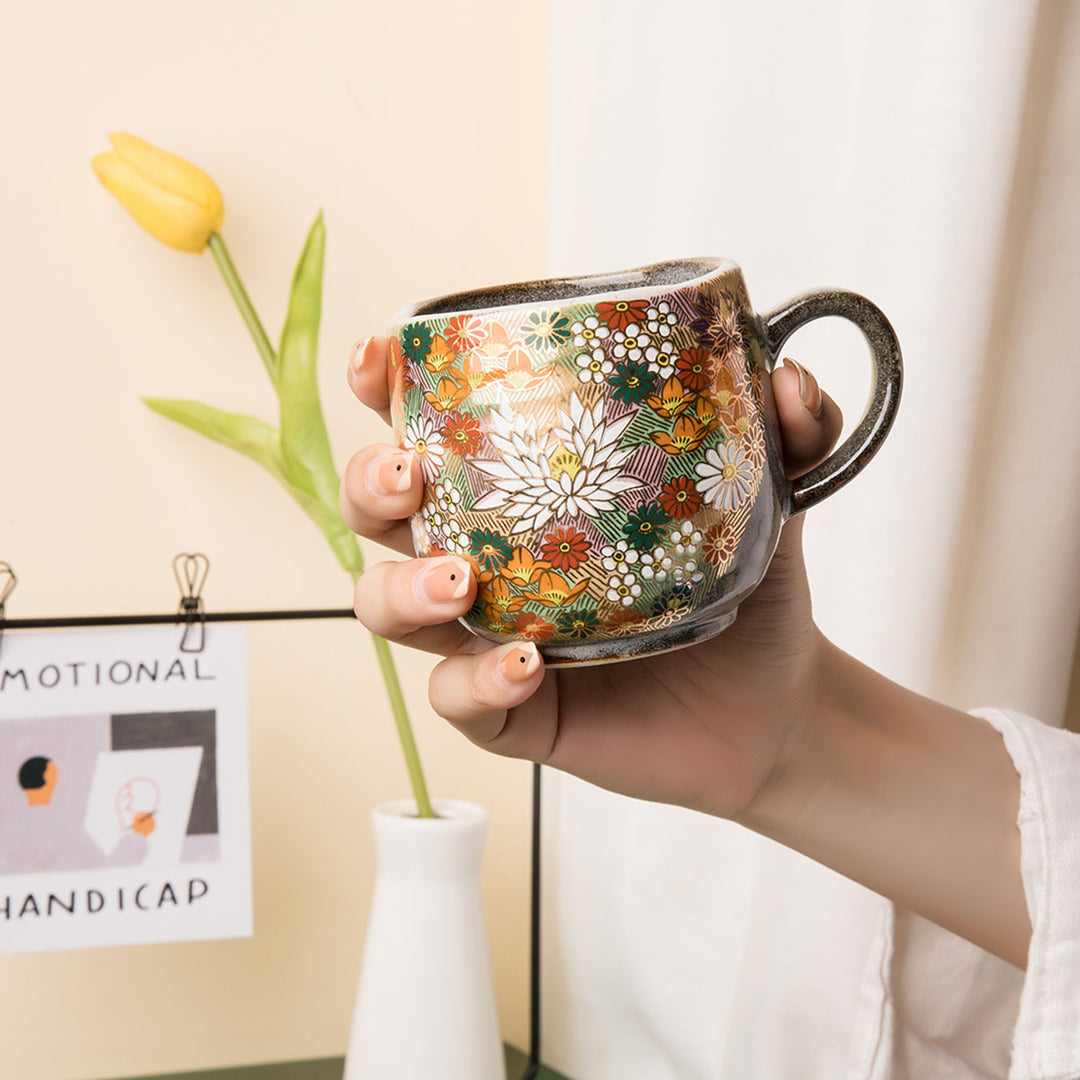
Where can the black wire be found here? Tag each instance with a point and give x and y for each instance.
(533, 1068)
(534, 935)
(155, 620)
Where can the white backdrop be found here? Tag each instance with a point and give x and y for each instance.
(924, 154)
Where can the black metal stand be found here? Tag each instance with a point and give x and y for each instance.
(190, 615)
(163, 620)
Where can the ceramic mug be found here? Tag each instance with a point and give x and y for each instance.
(605, 449)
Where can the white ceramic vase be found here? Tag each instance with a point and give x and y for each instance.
(425, 1004)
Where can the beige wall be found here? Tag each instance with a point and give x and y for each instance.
(420, 129)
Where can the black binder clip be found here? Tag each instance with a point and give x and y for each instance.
(8, 581)
(190, 572)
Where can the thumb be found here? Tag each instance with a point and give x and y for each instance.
(810, 421)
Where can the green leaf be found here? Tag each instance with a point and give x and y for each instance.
(250, 436)
(259, 441)
(305, 445)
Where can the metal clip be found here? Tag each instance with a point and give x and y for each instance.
(190, 572)
(8, 581)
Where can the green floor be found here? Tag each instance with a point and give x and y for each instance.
(328, 1069)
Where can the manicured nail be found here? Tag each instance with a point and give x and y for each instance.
(441, 581)
(809, 390)
(391, 473)
(356, 355)
(519, 664)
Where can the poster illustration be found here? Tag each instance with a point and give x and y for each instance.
(124, 811)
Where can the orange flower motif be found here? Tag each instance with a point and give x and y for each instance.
(448, 395)
(740, 422)
(625, 621)
(673, 399)
(553, 590)
(498, 595)
(622, 313)
(519, 373)
(679, 497)
(473, 373)
(735, 413)
(706, 414)
(687, 435)
(721, 543)
(463, 434)
(465, 332)
(518, 358)
(724, 390)
(694, 367)
(566, 548)
(491, 353)
(523, 567)
(441, 355)
(484, 576)
(528, 625)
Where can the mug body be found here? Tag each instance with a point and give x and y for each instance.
(602, 449)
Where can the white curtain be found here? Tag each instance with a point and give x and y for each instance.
(926, 154)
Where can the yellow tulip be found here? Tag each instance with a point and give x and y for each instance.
(168, 196)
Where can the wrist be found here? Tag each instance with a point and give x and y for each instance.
(909, 797)
(815, 738)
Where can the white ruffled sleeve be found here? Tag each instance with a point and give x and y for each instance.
(934, 1006)
(1046, 1042)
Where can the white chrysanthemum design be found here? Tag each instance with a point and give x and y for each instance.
(685, 539)
(688, 574)
(575, 469)
(661, 319)
(623, 589)
(455, 539)
(447, 497)
(630, 343)
(589, 333)
(727, 476)
(655, 564)
(425, 440)
(620, 557)
(433, 521)
(660, 357)
(594, 365)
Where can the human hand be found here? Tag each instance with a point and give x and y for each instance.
(704, 727)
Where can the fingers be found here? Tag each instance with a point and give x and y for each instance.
(810, 421)
(475, 693)
(416, 602)
(381, 486)
(369, 374)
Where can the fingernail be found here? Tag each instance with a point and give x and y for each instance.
(518, 665)
(441, 581)
(809, 390)
(356, 355)
(390, 473)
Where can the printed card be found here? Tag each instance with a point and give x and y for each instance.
(124, 808)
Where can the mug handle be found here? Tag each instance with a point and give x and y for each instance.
(848, 459)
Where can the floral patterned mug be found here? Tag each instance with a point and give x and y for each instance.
(605, 449)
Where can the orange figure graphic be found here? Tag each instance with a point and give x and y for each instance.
(37, 778)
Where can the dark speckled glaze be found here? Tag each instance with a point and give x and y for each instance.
(605, 449)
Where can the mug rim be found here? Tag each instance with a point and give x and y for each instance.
(590, 287)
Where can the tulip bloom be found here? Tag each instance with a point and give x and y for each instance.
(168, 196)
(179, 204)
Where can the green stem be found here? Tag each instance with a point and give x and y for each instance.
(401, 718)
(347, 551)
(405, 734)
(243, 302)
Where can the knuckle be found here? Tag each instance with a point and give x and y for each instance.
(480, 690)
